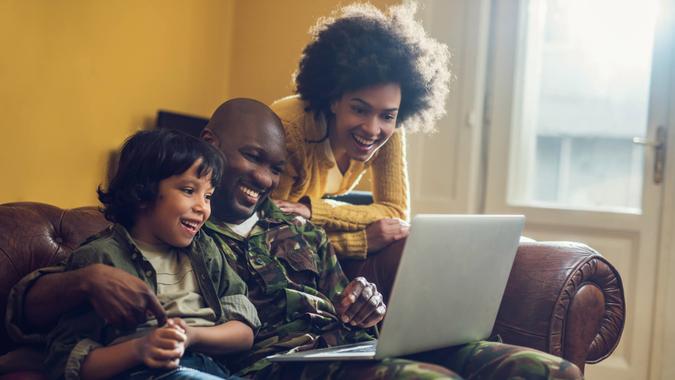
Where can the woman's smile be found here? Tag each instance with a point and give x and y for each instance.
(363, 120)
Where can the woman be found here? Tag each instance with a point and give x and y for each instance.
(364, 75)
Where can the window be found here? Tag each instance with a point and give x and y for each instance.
(583, 94)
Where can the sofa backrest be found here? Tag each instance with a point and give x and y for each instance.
(36, 235)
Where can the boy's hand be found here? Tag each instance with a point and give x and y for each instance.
(118, 297)
(190, 336)
(162, 348)
(360, 304)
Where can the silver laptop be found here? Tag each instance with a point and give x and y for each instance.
(447, 291)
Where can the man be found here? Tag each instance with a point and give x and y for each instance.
(294, 279)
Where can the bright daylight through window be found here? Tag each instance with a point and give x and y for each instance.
(584, 75)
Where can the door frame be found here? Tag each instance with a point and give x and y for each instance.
(502, 85)
(663, 339)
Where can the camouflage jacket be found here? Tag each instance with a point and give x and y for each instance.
(292, 275)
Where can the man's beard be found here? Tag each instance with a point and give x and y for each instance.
(224, 206)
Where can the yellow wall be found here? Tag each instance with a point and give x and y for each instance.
(78, 76)
(269, 38)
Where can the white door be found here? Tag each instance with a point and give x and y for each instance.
(578, 95)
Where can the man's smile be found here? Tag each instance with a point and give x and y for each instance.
(251, 195)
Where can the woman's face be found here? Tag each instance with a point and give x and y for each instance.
(363, 121)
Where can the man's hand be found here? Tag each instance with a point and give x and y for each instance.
(360, 304)
(118, 297)
(163, 347)
(383, 232)
(294, 208)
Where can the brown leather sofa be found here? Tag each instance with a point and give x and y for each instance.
(561, 298)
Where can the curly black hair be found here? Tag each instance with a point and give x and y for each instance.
(147, 158)
(361, 46)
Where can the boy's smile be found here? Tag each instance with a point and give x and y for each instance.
(182, 207)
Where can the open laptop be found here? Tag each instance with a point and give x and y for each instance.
(447, 291)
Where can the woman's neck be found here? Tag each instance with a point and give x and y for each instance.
(340, 155)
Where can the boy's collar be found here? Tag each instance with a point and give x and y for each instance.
(122, 232)
(126, 237)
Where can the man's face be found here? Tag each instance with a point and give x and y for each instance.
(256, 154)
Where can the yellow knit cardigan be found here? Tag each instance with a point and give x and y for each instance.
(306, 172)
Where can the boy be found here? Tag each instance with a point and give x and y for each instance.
(159, 199)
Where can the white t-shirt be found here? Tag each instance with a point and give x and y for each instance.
(244, 228)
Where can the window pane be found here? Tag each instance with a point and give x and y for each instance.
(584, 76)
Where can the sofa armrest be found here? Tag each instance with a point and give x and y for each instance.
(565, 299)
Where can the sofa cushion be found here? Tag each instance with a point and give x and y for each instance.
(35, 235)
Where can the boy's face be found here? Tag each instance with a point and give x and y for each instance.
(256, 154)
(183, 205)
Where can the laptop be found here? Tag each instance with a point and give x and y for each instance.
(447, 291)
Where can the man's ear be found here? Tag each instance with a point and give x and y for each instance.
(210, 137)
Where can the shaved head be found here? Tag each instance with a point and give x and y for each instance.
(252, 138)
(238, 112)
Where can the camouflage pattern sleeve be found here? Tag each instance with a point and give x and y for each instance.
(230, 282)
(17, 326)
(233, 294)
(332, 279)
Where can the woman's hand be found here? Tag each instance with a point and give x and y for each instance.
(294, 208)
(163, 347)
(384, 232)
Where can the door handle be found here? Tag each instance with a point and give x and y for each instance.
(645, 142)
(659, 145)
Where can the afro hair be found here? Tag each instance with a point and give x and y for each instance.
(360, 46)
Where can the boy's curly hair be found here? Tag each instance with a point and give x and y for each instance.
(361, 46)
(147, 158)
